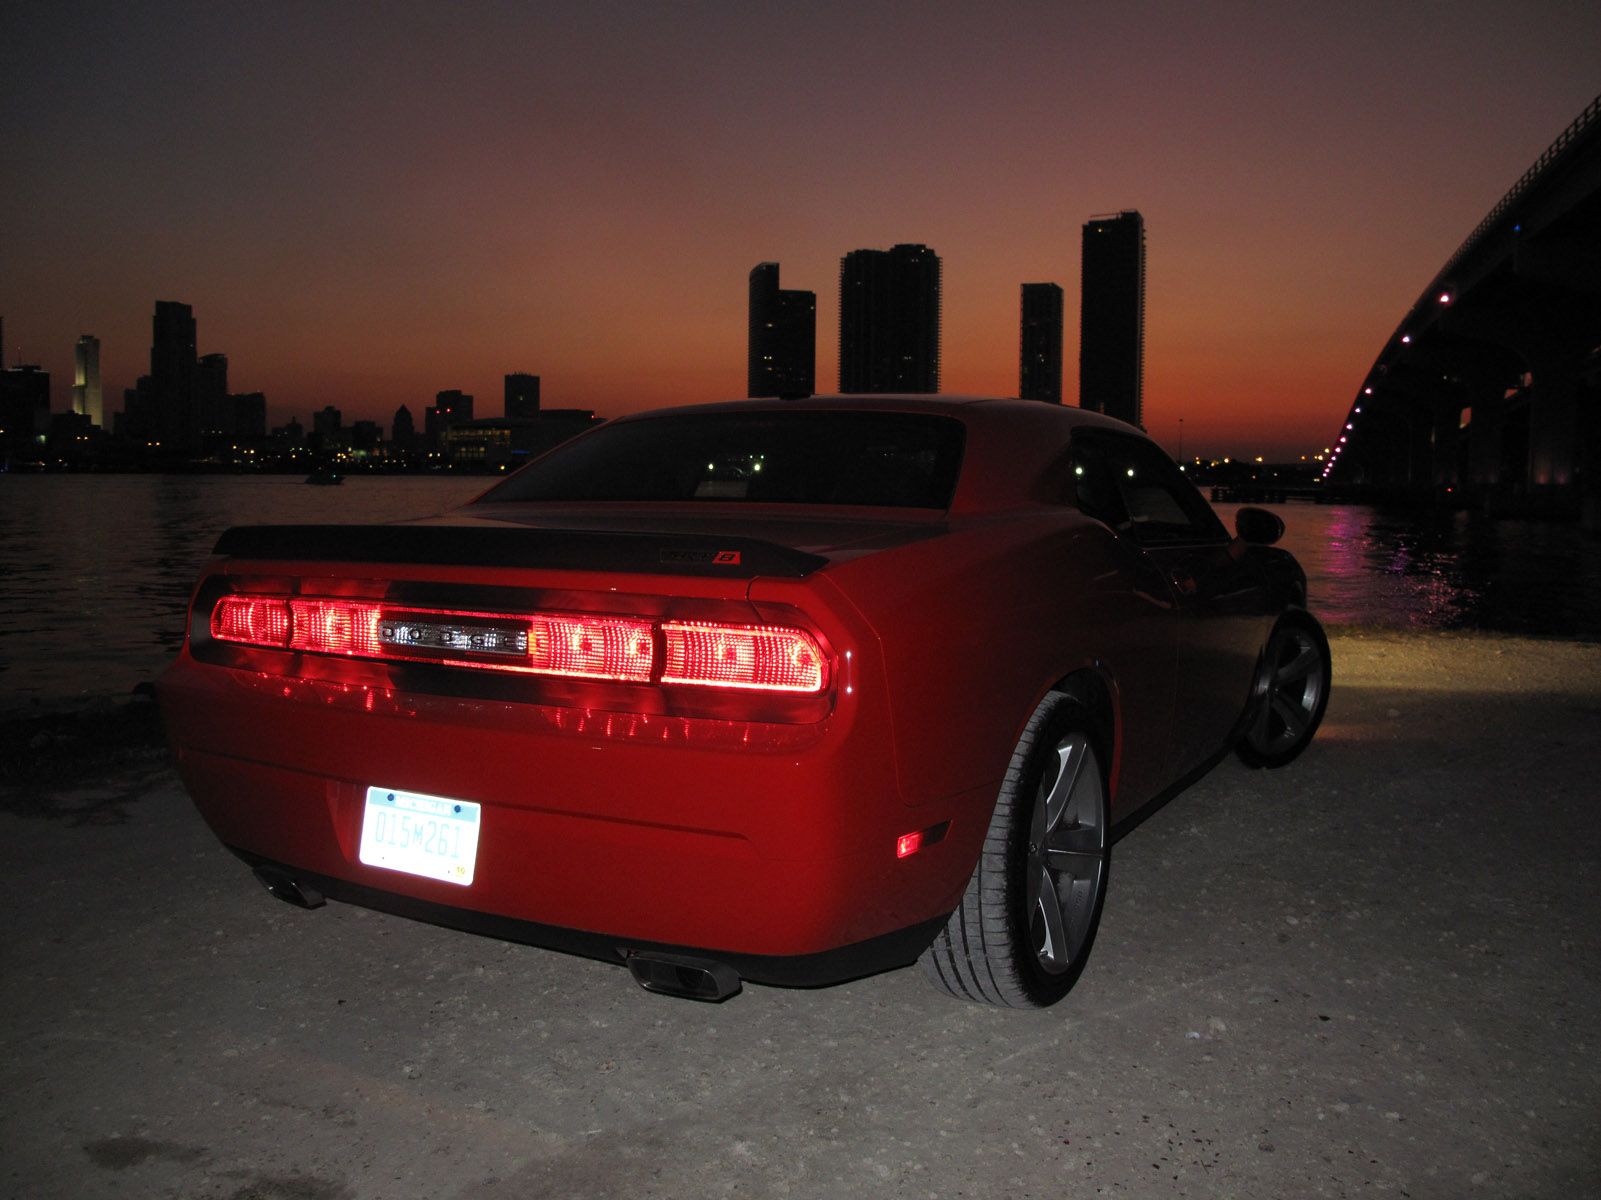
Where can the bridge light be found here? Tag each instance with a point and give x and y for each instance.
(1445, 297)
(1358, 408)
(1406, 339)
(1348, 425)
(1367, 391)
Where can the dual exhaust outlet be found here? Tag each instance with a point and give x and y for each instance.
(667, 974)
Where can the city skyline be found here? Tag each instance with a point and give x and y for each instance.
(581, 195)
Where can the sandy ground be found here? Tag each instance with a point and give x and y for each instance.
(1372, 972)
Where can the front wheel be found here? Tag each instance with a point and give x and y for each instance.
(1290, 694)
(1024, 928)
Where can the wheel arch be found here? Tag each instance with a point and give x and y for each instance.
(1093, 688)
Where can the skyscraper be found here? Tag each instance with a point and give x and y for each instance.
(24, 407)
(1039, 375)
(1111, 327)
(211, 396)
(86, 395)
(782, 344)
(522, 396)
(404, 429)
(889, 320)
(171, 389)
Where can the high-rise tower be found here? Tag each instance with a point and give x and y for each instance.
(781, 355)
(889, 320)
(1111, 350)
(1039, 373)
(174, 410)
(86, 395)
(522, 396)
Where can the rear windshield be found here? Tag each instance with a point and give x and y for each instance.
(902, 460)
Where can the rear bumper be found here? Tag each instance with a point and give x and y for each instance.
(897, 948)
(771, 848)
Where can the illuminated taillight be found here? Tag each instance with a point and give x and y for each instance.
(757, 657)
(592, 647)
(258, 620)
(334, 627)
(767, 658)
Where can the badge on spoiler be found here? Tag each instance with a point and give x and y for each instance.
(721, 558)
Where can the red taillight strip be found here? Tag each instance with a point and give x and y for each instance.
(768, 658)
(334, 627)
(591, 647)
(754, 657)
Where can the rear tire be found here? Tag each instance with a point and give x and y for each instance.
(1024, 928)
(1290, 695)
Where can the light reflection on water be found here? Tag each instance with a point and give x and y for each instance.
(1393, 569)
(95, 571)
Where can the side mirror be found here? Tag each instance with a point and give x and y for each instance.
(1258, 526)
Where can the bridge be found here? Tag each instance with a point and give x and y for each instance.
(1488, 393)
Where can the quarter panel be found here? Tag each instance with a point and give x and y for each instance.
(974, 628)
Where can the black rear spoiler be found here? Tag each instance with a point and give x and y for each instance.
(552, 549)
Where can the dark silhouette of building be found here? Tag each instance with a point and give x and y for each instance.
(1039, 375)
(403, 429)
(449, 409)
(781, 355)
(1111, 349)
(211, 396)
(171, 399)
(522, 396)
(24, 408)
(889, 320)
(328, 429)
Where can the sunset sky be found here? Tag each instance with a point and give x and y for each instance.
(366, 204)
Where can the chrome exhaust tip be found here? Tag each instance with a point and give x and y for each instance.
(288, 889)
(687, 978)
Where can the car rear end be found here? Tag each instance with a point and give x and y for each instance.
(618, 743)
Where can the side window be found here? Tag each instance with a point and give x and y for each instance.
(1094, 490)
(1135, 488)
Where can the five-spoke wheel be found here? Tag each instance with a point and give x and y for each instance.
(1027, 920)
(1291, 692)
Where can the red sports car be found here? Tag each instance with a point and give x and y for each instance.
(781, 690)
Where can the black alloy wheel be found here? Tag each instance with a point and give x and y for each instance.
(1024, 928)
(1290, 694)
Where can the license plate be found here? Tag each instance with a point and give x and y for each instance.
(430, 836)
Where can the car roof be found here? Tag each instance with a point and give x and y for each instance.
(1011, 443)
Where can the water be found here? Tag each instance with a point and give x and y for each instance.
(1404, 569)
(95, 571)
